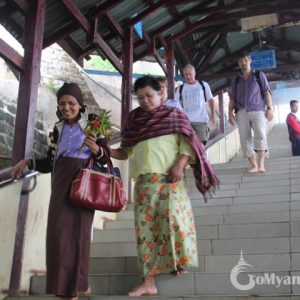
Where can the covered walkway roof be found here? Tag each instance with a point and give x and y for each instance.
(206, 33)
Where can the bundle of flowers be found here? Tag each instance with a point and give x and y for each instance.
(100, 126)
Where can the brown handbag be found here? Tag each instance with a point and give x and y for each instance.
(98, 190)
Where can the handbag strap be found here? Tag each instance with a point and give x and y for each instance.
(110, 165)
(109, 162)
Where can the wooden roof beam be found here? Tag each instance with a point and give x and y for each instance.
(213, 49)
(116, 25)
(146, 13)
(183, 53)
(193, 27)
(91, 31)
(232, 56)
(105, 48)
(22, 5)
(70, 50)
(77, 15)
(210, 34)
(153, 51)
(246, 4)
(12, 56)
(234, 16)
(92, 15)
(175, 21)
(230, 74)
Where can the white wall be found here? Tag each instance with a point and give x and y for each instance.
(281, 99)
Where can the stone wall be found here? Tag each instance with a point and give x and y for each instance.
(56, 68)
(8, 110)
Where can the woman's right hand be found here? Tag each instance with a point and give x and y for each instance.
(17, 170)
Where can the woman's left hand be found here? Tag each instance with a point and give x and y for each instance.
(175, 173)
(90, 141)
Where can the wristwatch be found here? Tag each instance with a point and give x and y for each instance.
(269, 107)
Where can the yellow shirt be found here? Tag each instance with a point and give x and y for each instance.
(157, 155)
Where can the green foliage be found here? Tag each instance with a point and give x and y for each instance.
(100, 125)
(103, 65)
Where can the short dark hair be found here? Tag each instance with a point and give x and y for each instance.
(144, 81)
(243, 54)
(292, 102)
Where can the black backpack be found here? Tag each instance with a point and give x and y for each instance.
(181, 88)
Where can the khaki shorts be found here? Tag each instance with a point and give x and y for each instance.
(202, 130)
(252, 121)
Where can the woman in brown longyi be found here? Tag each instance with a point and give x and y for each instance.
(69, 227)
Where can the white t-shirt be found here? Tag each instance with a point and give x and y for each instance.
(194, 104)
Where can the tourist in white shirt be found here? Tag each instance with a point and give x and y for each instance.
(193, 98)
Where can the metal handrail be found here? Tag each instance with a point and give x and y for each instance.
(101, 86)
(6, 178)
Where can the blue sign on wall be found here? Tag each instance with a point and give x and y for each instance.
(263, 59)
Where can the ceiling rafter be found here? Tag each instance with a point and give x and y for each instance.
(184, 54)
(73, 26)
(217, 18)
(174, 22)
(8, 53)
(213, 49)
(245, 4)
(22, 5)
(71, 51)
(91, 31)
(232, 56)
(231, 74)
(146, 13)
(116, 25)
(153, 51)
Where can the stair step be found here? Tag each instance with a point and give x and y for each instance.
(206, 297)
(268, 245)
(245, 218)
(258, 214)
(129, 248)
(119, 263)
(222, 231)
(247, 206)
(191, 284)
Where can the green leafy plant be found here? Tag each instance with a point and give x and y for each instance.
(99, 125)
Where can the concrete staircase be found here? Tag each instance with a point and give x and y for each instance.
(258, 214)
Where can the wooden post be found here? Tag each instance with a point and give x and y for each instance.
(25, 120)
(170, 69)
(126, 104)
(221, 111)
